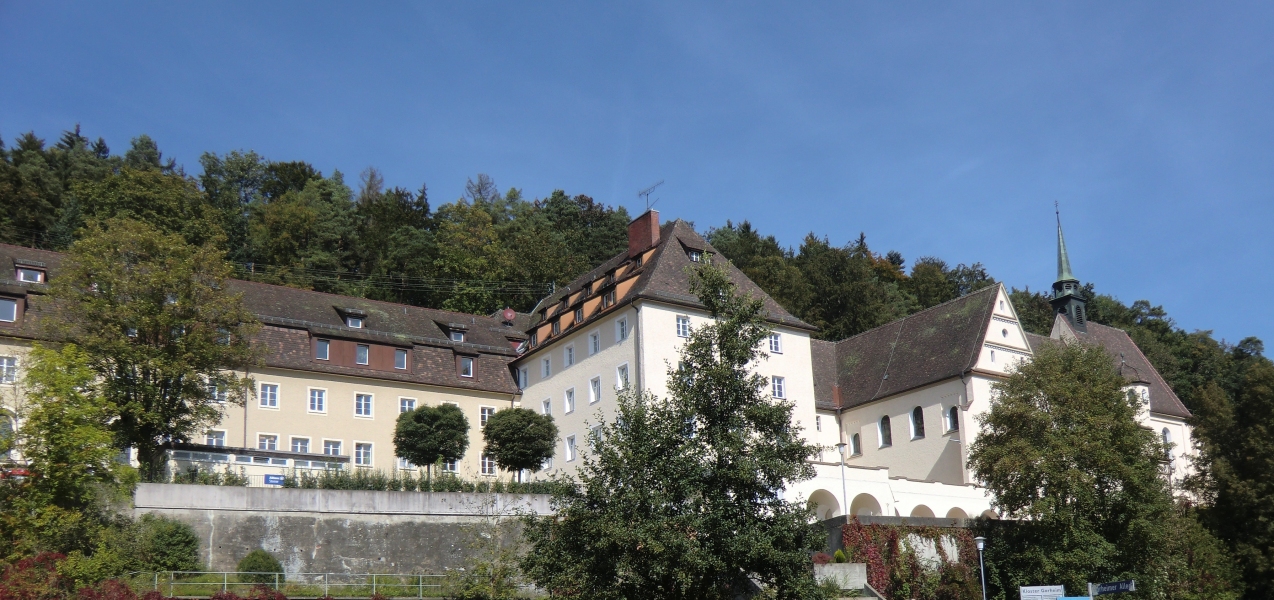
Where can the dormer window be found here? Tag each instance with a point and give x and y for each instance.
(637, 261)
(8, 310)
(608, 299)
(579, 315)
(457, 336)
(557, 327)
(610, 278)
(354, 322)
(29, 275)
(695, 255)
(588, 290)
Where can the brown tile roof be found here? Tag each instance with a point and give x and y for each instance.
(932, 345)
(823, 359)
(1135, 367)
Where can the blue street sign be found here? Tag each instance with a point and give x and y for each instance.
(1114, 587)
(274, 480)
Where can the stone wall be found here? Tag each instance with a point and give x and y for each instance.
(337, 531)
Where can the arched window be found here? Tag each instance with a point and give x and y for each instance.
(953, 419)
(886, 434)
(6, 435)
(1167, 450)
(917, 423)
(855, 445)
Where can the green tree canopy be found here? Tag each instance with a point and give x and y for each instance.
(159, 328)
(431, 433)
(679, 497)
(519, 439)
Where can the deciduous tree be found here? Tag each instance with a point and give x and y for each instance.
(520, 439)
(431, 433)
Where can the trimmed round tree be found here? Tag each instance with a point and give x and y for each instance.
(519, 438)
(431, 433)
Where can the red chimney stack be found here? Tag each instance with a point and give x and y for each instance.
(643, 233)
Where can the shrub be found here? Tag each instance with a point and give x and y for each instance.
(822, 558)
(167, 544)
(35, 578)
(224, 595)
(840, 557)
(260, 565)
(261, 592)
(111, 589)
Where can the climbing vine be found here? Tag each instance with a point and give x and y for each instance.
(895, 569)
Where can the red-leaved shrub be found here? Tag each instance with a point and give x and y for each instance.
(224, 595)
(111, 589)
(261, 592)
(35, 578)
(822, 558)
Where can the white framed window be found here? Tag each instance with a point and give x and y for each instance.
(855, 445)
(568, 403)
(406, 405)
(776, 343)
(546, 407)
(404, 464)
(269, 397)
(683, 326)
(546, 368)
(363, 454)
(568, 356)
(215, 437)
(884, 432)
(993, 356)
(322, 349)
(8, 310)
(449, 466)
(570, 448)
(621, 377)
(360, 354)
(484, 414)
(818, 422)
(695, 255)
(400, 359)
(579, 315)
(594, 343)
(267, 441)
(778, 387)
(621, 329)
(332, 447)
(30, 275)
(8, 369)
(523, 378)
(218, 393)
(557, 327)
(596, 430)
(354, 322)
(301, 444)
(595, 390)
(917, 423)
(318, 400)
(362, 405)
(466, 366)
(953, 418)
(488, 465)
(457, 336)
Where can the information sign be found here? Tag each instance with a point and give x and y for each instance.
(1042, 592)
(274, 480)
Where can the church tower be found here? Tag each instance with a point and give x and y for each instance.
(1068, 296)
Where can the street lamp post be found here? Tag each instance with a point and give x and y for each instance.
(844, 504)
(981, 542)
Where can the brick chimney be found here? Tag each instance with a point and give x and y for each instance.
(643, 233)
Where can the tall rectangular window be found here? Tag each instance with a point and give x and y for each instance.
(546, 368)
(360, 354)
(777, 385)
(594, 343)
(215, 438)
(217, 393)
(406, 405)
(466, 366)
(683, 326)
(579, 315)
(818, 423)
(267, 442)
(363, 405)
(301, 445)
(557, 327)
(621, 377)
(484, 414)
(363, 455)
(570, 448)
(321, 349)
(8, 369)
(568, 405)
(488, 465)
(524, 378)
(400, 359)
(621, 330)
(595, 390)
(332, 447)
(8, 310)
(776, 343)
(547, 407)
(269, 395)
(318, 401)
(568, 356)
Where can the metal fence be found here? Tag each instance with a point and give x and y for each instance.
(345, 585)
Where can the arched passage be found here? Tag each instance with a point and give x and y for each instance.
(957, 513)
(824, 504)
(864, 504)
(922, 511)
(990, 514)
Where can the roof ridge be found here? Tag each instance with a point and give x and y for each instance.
(276, 285)
(986, 319)
(917, 313)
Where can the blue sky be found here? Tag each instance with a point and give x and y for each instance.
(936, 129)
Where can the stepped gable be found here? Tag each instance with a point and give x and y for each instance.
(1135, 367)
(933, 345)
(823, 359)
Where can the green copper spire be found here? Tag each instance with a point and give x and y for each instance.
(1063, 261)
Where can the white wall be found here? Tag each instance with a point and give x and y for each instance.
(935, 457)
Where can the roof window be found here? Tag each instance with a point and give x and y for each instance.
(457, 336)
(695, 255)
(354, 322)
(30, 275)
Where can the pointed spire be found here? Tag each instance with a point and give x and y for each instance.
(1063, 260)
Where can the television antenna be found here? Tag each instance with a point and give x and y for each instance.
(646, 194)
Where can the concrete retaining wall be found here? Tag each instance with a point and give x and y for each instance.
(337, 531)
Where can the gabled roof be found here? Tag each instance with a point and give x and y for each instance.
(1132, 364)
(930, 346)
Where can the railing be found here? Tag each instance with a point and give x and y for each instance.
(345, 585)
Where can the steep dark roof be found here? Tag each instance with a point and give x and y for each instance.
(1135, 367)
(932, 345)
(823, 359)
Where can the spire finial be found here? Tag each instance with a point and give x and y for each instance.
(1063, 260)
